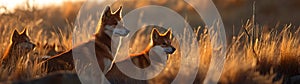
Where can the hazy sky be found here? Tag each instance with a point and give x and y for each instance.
(12, 4)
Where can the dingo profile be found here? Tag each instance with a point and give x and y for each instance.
(20, 46)
(110, 24)
(142, 60)
(157, 39)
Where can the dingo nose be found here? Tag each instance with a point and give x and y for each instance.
(174, 49)
(170, 50)
(121, 31)
(127, 31)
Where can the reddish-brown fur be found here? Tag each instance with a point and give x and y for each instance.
(141, 60)
(102, 44)
(164, 40)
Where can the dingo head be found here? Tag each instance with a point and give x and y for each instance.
(21, 42)
(163, 40)
(112, 23)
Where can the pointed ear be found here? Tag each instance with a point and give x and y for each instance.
(155, 34)
(169, 33)
(107, 12)
(24, 32)
(118, 12)
(15, 35)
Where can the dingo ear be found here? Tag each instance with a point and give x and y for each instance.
(24, 32)
(169, 33)
(15, 35)
(107, 12)
(118, 12)
(155, 34)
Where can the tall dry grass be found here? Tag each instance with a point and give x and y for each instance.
(255, 55)
(41, 34)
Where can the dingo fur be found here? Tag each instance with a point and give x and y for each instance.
(142, 60)
(110, 24)
(19, 47)
(164, 40)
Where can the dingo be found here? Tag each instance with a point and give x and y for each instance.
(142, 60)
(111, 23)
(20, 46)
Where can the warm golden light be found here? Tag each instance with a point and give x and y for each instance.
(10, 5)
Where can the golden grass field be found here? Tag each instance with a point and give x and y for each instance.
(253, 56)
